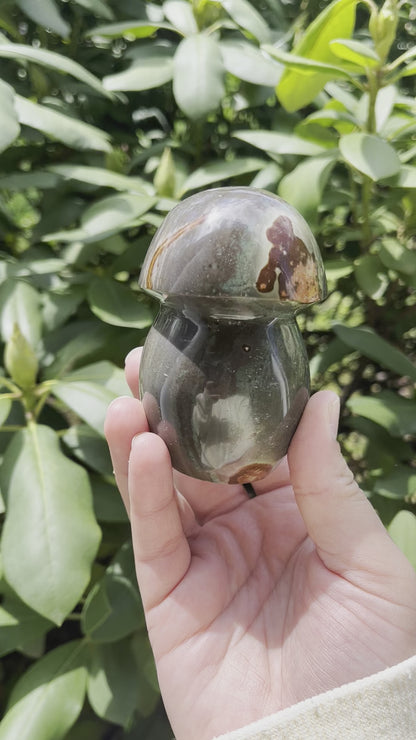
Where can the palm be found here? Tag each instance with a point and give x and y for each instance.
(258, 621)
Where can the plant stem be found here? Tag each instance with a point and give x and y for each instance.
(367, 183)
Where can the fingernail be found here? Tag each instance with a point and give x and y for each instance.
(333, 415)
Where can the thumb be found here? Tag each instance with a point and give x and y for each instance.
(349, 537)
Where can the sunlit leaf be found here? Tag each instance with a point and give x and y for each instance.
(198, 79)
(216, 171)
(396, 256)
(391, 411)
(48, 499)
(48, 698)
(5, 407)
(179, 14)
(277, 143)
(90, 390)
(336, 269)
(55, 124)
(52, 60)
(249, 63)
(304, 185)
(152, 66)
(129, 29)
(9, 124)
(296, 89)
(245, 15)
(20, 304)
(118, 305)
(355, 52)
(101, 177)
(45, 13)
(371, 276)
(406, 177)
(370, 154)
(106, 217)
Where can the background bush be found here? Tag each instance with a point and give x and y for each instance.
(110, 112)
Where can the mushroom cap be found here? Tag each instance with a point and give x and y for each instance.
(235, 242)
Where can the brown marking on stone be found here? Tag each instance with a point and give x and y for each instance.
(167, 243)
(298, 274)
(251, 473)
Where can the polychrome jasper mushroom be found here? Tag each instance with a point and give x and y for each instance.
(224, 374)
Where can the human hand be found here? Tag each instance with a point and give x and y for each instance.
(255, 604)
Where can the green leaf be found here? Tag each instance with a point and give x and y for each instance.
(249, 63)
(20, 304)
(243, 13)
(179, 14)
(391, 411)
(25, 180)
(307, 67)
(5, 408)
(406, 177)
(58, 307)
(101, 177)
(355, 52)
(9, 124)
(371, 345)
(52, 60)
(45, 13)
(117, 305)
(371, 276)
(396, 256)
(105, 217)
(76, 343)
(152, 67)
(89, 448)
(129, 29)
(276, 143)
(56, 125)
(20, 360)
(108, 504)
(333, 353)
(113, 607)
(400, 483)
(198, 78)
(49, 697)
(295, 89)
(336, 269)
(217, 171)
(89, 391)
(370, 155)
(98, 7)
(113, 682)
(48, 499)
(409, 70)
(18, 624)
(304, 185)
(402, 530)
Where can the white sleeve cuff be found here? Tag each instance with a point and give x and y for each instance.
(380, 706)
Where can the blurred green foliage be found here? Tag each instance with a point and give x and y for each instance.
(110, 112)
